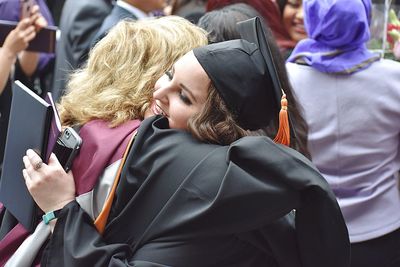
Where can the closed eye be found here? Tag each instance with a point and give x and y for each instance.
(184, 98)
(294, 3)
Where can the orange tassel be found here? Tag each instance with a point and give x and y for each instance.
(283, 134)
(101, 220)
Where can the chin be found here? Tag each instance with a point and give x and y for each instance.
(173, 125)
(298, 37)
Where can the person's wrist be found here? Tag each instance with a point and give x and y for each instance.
(31, 55)
(50, 216)
(58, 206)
(9, 53)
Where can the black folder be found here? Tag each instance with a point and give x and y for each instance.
(30, 118)
(45, 40)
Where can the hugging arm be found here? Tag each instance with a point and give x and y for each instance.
(253, 183)
(293, 182)
(75, 242)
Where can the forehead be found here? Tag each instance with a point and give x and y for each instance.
(191, 74)
(189, 61)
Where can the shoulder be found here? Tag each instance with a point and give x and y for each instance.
(263, 149)
(155, 135)
(80, 10)
(111, 19)
(385, 66)
(118, 13)
(86, 5)
(290, 66)
(301, 72)
(383, 74)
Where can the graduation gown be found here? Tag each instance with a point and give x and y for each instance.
(184, 203)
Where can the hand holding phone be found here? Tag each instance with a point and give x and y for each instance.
(30, 9)
(67, 147)
(26, 8)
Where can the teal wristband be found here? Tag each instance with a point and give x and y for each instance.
(51, 215)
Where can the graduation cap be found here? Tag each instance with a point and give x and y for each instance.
(244, 74)
(252, 31)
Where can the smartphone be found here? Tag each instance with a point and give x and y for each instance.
(26, 8)
(67, 147)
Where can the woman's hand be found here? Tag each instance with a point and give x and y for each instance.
(37, 19)
(29, 60)
(19, 38)
(50, 186)
(16, 41)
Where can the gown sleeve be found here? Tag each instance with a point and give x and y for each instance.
(75, 242)
(275, 180)
(251, 184)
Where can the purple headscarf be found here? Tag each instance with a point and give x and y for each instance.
(10, 10)
(337, 34)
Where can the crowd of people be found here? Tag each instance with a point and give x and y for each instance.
(215, 133)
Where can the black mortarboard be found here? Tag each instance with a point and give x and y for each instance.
(242, 75)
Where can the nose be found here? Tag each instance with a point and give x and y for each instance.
(161, 90)
(300, 13)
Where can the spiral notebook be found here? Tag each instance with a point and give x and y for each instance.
(29, 125)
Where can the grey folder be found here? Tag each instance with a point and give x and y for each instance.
(28, 127)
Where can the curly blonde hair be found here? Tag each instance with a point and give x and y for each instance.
(116, 85)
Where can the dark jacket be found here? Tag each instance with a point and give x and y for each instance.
(185, 203)
(80, 20)
(117, 14)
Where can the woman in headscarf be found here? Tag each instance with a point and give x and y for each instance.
(351, 100)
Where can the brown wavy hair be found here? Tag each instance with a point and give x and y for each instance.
(215, 123)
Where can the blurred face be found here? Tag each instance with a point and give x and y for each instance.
(293, 19)
(181, 92)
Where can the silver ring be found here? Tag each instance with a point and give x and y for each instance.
(38, 165)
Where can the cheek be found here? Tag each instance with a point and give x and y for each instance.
(178, 120)
(287, 17)
(179, 116)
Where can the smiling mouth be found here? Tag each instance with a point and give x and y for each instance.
(299, 28)
(157, 110)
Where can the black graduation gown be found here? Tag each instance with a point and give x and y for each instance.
(184, 203)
